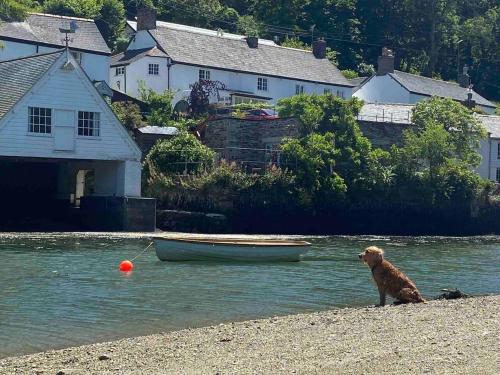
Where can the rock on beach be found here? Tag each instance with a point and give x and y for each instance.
(439, 337)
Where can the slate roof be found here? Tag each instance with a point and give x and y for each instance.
(130, 56)
(161, 130)
(231, 52)
(390, 113)
(18, 76)
(491, 123)
(434, 87)
(357, 82)
(43, 29)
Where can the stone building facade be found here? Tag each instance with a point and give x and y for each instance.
(250, 143)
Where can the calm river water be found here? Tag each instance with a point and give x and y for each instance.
(59, 290)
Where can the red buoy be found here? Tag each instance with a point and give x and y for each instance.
(126, 266)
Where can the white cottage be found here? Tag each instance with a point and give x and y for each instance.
(490, 148)
(393, 86)
(40, 33)
(168, 56)
(52, 119)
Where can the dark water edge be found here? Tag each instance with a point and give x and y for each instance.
(408, 222)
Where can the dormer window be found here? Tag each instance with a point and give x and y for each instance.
(119, 70)
(204, 75)
(262, 84)
(154, 69)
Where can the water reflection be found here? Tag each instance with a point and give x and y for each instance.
(59, 290)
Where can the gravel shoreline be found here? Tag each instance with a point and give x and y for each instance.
(439, 337)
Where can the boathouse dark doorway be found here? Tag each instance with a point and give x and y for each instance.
(28, 195)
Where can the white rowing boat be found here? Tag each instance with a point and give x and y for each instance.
(229, 249)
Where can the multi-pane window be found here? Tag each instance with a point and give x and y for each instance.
(498, 175)
(498, 150)
(88, 124)
(119, 70)
(340, 94)
(40, 120)
(327, 91)
(154, 69)
(204, 74)
(262, 84)
(299, 89)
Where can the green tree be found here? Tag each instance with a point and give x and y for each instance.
(180, 154)
(111, 21)
(129, 114)
(15, 10)
(160, 110)
(77, 8)
(463, 130)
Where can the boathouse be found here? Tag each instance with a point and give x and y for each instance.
(64, 155)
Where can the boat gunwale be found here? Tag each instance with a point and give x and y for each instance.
(238, 242)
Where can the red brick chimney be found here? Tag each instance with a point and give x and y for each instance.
(319, 49)
(385, 62)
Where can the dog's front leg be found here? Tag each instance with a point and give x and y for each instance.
(381, 293)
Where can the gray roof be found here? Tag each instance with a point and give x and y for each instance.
(167, 130)
(491, 123)
(357, 82)
(390, 113)
(44, 29)
(232, 53)
(434, 87)
(18, 76)
(130, 56)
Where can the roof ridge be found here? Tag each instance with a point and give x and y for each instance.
(61, 17)
(238, 40)
(433, 79)
(32, 56)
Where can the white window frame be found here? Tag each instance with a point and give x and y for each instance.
(118, 84)
(262, 84)
(299, 89)
(119, 70)
(154, 69)
(204, 75)
(39, 120)
(89, 124)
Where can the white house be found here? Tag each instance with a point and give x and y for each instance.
(167, 56)
(52, 116)
(40, 33)
(490, 148)
(384, 123)
(393, 86)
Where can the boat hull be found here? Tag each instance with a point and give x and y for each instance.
(176, 250)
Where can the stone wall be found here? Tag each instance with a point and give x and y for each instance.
(383, 134)
(244, 141)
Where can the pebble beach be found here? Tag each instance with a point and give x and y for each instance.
(438, 337)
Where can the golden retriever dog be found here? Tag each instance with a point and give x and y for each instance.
(389, 279)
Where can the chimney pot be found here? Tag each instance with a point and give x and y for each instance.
(146, 19)
(253, 41)
(385, 63)
(319, 49)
